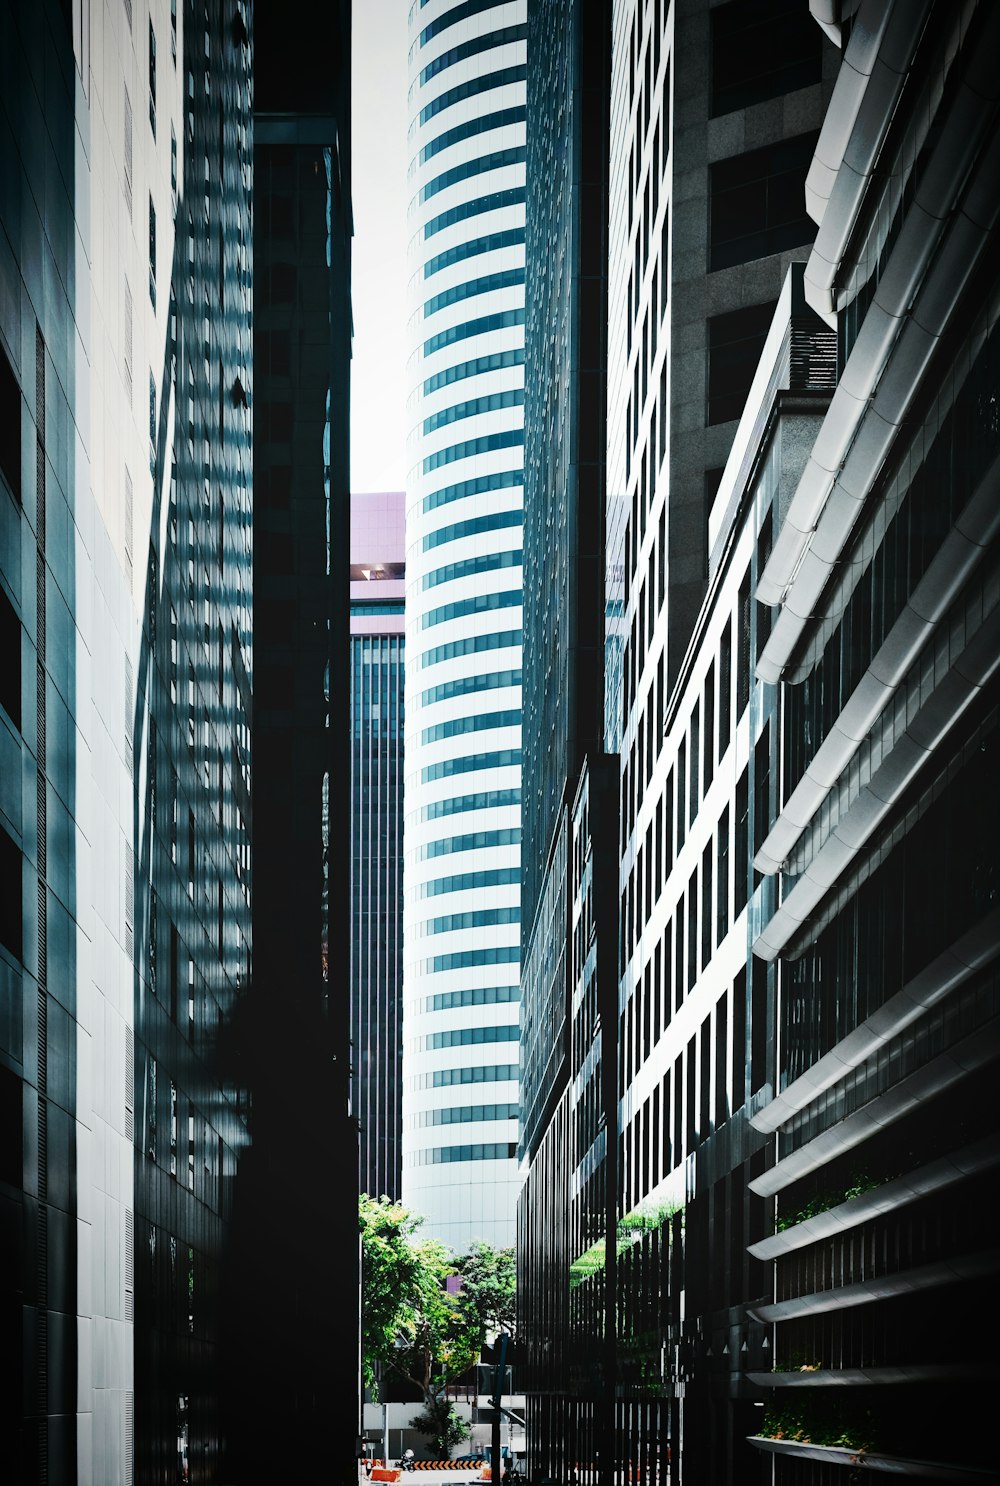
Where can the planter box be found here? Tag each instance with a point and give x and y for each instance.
(960, 1475)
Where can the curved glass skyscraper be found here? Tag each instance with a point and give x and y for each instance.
(463, 617)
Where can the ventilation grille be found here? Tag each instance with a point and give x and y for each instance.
(129, 1089)
(129, 1266)
(812, 355)
(42, 1378)
(129, 1431)
(42, 1256)
(129, 906)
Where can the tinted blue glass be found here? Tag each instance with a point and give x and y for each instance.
(489, 404)
(471, 996)
(461, 881)
(478, 604)
(476, 918)
(479, 1073)
(486, 444)
(508, 278)
(474, 841)
(473, 48)
(496, 160)
(485, 325)
(499, 480)
(508, 954)
(495, 361)
(473, 88)
(490, 799)
(451, 17)
(489, 243)
(470, 763)
(479, 723)
(466, 685)
(466, 1114)
(468, 1036)
(437, 1155)
(471, 645)
(482, 125)
(470, 567)
(496, 521)
(513, 196)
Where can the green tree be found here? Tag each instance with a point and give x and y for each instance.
(440, 1420)
(410, 1322)
(489, 1290)
(390, 1283)
(415, 1324)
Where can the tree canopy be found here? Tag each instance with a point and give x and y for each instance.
(414, 1323)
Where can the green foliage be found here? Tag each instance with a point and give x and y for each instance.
(411, 1323)
(440, 1420)
(489, 1290)
(391, 1281)
(824, 1201)
(820, 1421)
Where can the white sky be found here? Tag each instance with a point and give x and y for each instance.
(378, 272)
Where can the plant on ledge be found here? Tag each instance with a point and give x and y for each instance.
(823, 1201)
(820, 1421)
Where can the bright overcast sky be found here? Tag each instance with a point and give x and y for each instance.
(378, 273)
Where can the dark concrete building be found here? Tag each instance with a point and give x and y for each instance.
(300, 1181)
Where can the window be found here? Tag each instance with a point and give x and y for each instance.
(152, 253)
(692, 930)
(758, 202)
(491, 403)
(484, 124)
(695, 736)
(152, 78)
(739, 1050)
(469, 567)
(742, 861)
(725, 687)
(485, 325)
(476, 85)
(709, 721)
(11, 896)
(681, 793)
(735, 341)
(743, 647)
(713, 479)
(10, 669)
(722, 879)
(10, 425)
(283, 283)
(761, 51)
(721, 1031)
(497, 160)
(500, 37)
(495, 201)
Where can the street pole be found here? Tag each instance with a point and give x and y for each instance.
(385, 1434)
(496, 1401)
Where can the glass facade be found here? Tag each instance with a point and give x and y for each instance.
(463, 505)
(377, 704)
(126, 380)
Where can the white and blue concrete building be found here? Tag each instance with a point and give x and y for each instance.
(462, 929)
